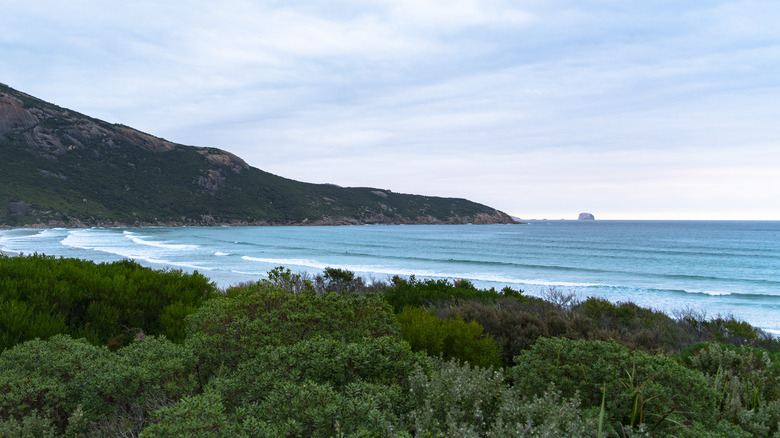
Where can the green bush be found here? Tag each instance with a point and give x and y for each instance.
(654, 391)
(512, 328)
(695, 327)
(416, 293)
(314, 409)
(40, 376)
(632, 325)
(151, 373)
(82, 389)
(336, 280)
(451, 398)
(196, 416)
(341, 281)
(283, 357)
(100, 302)
(385, 361)
(456, 400)
(30, 426)
(547, 415)
(227, 331)
(291, 409)
(451, 338)
(22, 320)
(747, 381)
(283, 279)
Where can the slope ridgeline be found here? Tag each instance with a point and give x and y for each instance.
(62, 168)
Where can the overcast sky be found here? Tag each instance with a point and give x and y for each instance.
(542, 109)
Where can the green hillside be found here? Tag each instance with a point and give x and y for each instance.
(62, 168)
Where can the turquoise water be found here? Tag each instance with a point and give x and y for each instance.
(726, 268)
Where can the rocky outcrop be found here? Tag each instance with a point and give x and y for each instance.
(56, 131)
(224, 159)
(586, 217)
(13, 116)
(18, 209)
(142, 140)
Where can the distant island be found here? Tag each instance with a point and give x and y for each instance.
(586, 217)
(64, 169)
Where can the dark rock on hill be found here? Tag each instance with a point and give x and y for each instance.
(62, 168)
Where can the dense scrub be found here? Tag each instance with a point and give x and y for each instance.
(413, 292)
(109, 303)
(333, 356)
(516, 323)
(451, 338)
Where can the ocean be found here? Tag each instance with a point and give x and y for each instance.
(710, 267)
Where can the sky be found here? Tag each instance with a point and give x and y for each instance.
(542, 109)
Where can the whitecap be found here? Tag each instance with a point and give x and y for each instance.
(557, 283)
(84, 239)
(286, 262)
(179, 264)
(712, 293)
(113, 243)
(264, 274)
(157, 244)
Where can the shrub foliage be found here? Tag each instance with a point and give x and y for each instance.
(104, 303)
(328, 356)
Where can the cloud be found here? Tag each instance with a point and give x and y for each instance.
(538, 108)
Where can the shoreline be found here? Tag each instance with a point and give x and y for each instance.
(208, 221)
(238, 225)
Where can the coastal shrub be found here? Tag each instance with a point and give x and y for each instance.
(654, 391)
(99, 302)
(227, 331)
(546, 415)
(416, 293)
(339, 280)
(330, 280)
(561, 299)
(453, 399)
(732, 331)
(83, 389)
(29, 426)
(696, 327)
(21, 321)
(306, 408)
(747, 381)
(451, 338)
(39, 376)
(284, 279)
(516, 324)
(513, 329)
(384, 361)
(201, 415)
(314, 409)
(316, 387)
(117, 397)
(636, 326)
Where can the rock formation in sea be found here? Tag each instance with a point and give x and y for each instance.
(586, 217)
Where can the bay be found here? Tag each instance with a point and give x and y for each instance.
(710, 267)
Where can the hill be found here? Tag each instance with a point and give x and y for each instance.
(62, 168)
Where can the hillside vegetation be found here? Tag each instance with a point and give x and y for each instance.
(331, 355)
(62, 168)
